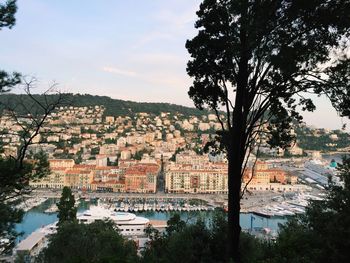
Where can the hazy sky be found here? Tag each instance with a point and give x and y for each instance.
(131, 49)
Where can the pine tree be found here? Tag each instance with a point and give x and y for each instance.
(67, 212)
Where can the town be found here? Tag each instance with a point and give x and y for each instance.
(148, 153)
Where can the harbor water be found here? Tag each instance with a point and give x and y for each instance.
(36, 218)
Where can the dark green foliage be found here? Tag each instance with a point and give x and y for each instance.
(138, 155)
(110, 141)
(95, 151)
(7, 14)
(322, 234)
(164, 133)
(67, 212)
(14, 179)
(198, 242)
(9, 216)
(64, 155)
(321, 142)
(98, 242)
(175, 224)
(7, 19)
(113, 107)
(8, 81)
(260, 60)
(40, 165)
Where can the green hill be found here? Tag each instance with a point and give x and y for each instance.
(114, 107)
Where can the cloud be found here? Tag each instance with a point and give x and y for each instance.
(151, 37)
(160, 76)
(162, 60)
(118, 71)
(170, 23)
(178, 20)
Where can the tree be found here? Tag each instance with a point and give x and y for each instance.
(259, 61)
(175, 224)
(181, 243)
(200, 241)
(7, 19)
(322, 233)
(67, 212)
(17, 169)
(95, 242)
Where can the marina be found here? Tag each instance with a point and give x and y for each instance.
(286, 206)
(37, 224)
(31, 202)
(162, 205)
(36, 218)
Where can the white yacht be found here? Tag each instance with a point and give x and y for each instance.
(129, 224)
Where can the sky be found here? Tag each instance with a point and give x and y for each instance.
(131, 50)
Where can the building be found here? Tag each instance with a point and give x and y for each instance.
(187, 178)
(261, 174)
(141, 178)
(78, 179)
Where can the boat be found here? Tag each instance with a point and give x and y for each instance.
(129, 224)
(52, 209)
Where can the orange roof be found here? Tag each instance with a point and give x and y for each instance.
(58, 168)
(135, 172)
(61, 160)
(104, 167)
(81, 166)
(198, 171)
(77, 172)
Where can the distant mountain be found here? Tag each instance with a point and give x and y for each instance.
(114, 107)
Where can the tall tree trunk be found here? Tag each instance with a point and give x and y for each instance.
(234, 186)
(236, 154)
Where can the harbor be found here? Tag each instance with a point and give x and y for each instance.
(286, 206)
(261, 219)
(36, 218)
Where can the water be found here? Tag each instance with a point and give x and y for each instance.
(338, 157)
(245, 219)
(36, 218)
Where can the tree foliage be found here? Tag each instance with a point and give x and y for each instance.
(198, 242)
(14, 181)
(260, 61)
(322, 233)
(9, 216)
(67, 212)
(113, 107)
(98, 242)
(16, 171)
(7, 19)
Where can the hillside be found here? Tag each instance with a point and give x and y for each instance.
(114, 107)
